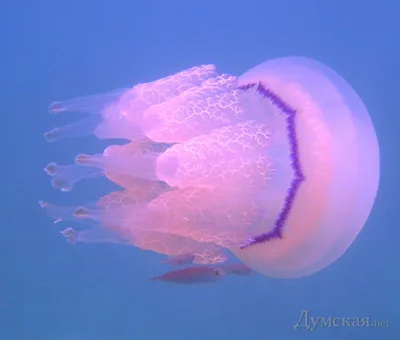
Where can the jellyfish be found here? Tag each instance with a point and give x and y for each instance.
(279, 166)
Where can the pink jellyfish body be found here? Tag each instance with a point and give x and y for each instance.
(279, 166)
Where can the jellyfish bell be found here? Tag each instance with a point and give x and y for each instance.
(286, 154)
(339, 157)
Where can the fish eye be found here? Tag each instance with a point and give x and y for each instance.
(217, 272)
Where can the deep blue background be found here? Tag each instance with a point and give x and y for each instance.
(52, 50)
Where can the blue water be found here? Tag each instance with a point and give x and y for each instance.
(52, 50)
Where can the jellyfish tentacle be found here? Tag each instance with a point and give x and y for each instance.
(81, 128)
(112, 123)
(65, 176)
(144, 166)
(93, 235)
(60, 213)
(92, 104)
(121, 111)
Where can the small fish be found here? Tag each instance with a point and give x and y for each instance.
(235, 268)
(179, 260)
(192, 275)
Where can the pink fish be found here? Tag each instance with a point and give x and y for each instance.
(235, 268)
(179, 260)
(192, 275)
